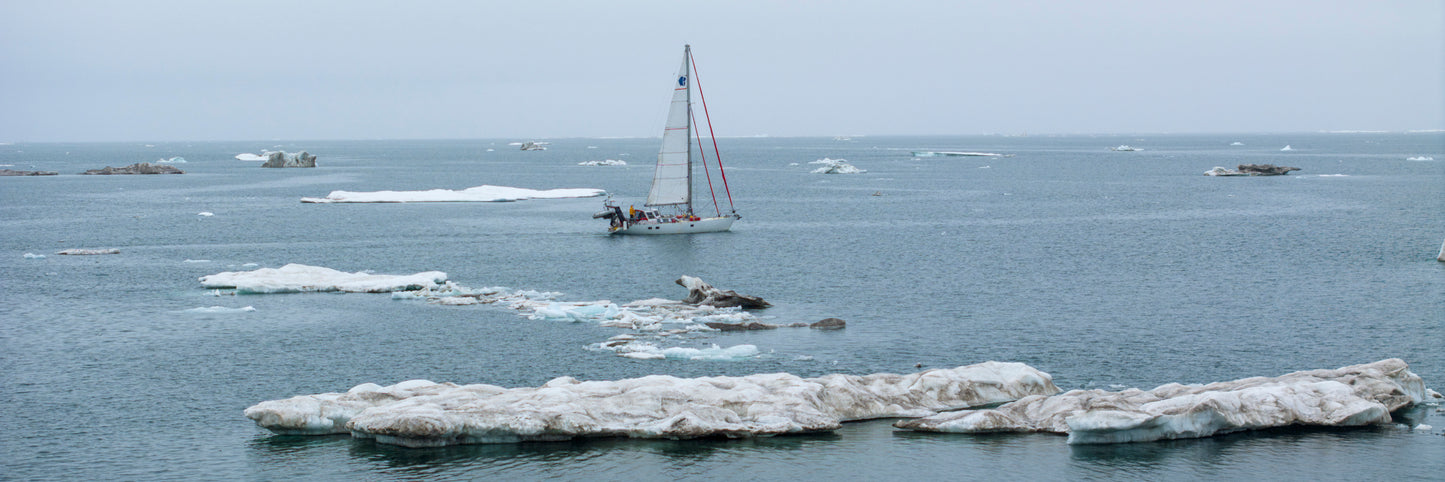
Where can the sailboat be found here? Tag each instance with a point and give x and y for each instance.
(669, 207)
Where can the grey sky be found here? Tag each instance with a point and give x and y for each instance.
(223, 70)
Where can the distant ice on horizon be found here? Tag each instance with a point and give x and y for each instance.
(483, 193)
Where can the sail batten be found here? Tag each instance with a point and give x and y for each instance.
(672, 181)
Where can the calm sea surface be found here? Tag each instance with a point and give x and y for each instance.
(1104, 269)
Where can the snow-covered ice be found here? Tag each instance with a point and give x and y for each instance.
(1345, 397)
(836, 166)
(483, 193)
(1420, 158)
(420, 413)
(297, 278)
(34, 256)
(253, 157)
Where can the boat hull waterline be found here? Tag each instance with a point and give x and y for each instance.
(704, 225)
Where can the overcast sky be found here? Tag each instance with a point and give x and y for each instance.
(242, 70)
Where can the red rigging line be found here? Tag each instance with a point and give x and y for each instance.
(703, 154)
(710, 133)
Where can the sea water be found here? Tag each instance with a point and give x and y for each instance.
(1105, 269)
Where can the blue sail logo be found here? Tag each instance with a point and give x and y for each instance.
(682, 81)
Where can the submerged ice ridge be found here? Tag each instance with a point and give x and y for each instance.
(421, 413)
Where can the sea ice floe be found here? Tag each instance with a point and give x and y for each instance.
(835, 166)
(483, 193)
(420, 413)
(1420, 158)
(253, 157)
(34, 256)
(1345, 397)
(205, 214)
(82, 252)
(604, 162)
(297, 278)
(197, 261)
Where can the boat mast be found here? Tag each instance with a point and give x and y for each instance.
(687, 66)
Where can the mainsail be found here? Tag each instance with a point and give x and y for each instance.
(672, 182)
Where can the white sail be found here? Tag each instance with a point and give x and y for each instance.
(672, 182)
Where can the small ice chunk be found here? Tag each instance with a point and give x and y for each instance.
(198, 261)
(604, 162)
(205, 214)
(34, 256)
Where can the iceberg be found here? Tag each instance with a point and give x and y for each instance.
(483, 193)
(299, 278)
(253, 157)
(421, 413)
(1420, 158)
(282, 159)
(1287, 148)
(1346, 397)
(836, 166)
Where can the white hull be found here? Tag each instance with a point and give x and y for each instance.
(704, 225)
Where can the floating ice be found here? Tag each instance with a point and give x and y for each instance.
(206, 214)
(483, 193)
(835, 166)
(221, 309)
(604, 162)
(78, 251)
(1236, 143)
(174, 160)
(41, 256)
(197, 261)
(297, 278)
(281, 159)
(421, 413)
(1350, 396)
(958, 154)
(1420, 158)
(253, 157)
(1287, 148)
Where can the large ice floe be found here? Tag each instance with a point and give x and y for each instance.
(483, 193)
(420, 413)
(300, 278)
(836, 166)
(1346, 397)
